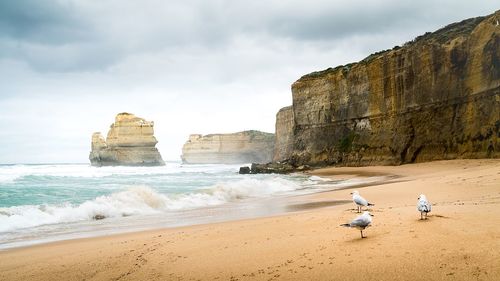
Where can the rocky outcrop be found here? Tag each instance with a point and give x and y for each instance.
(284, 134)
(437, 97)
(273, 168)
(242, 147)
(130, 142)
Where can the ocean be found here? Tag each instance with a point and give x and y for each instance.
(44, 203)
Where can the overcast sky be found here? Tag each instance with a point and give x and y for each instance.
(67, 67)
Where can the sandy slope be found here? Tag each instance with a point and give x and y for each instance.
(459, 241)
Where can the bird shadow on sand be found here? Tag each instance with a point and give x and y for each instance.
(368, 237)
(362, 210)
(440, 216)
(430, 217)
(315, 205)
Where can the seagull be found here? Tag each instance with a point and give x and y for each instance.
(360, 201)
(423, 206)
(360, 222)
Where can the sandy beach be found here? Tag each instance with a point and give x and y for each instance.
(459, 241)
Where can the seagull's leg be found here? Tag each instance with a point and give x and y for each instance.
(359, 209)
(421, 216)
(362, 234)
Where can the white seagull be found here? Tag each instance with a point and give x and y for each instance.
(360, 222)
(360, 201)
(423, 206)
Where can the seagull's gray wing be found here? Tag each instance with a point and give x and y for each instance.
(420, 206)
(360, 200)
(424, 206)
(361, 221)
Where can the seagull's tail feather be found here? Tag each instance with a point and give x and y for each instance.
(370, 204)
(345, 225)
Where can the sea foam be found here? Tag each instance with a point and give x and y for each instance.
(140, 200)
(9, 173)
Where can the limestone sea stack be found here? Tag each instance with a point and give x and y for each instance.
(436, 97)
(241, 147)
(130, 142)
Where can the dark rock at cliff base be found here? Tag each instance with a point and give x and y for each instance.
(244, 170)
(284, 167)
(272, 168)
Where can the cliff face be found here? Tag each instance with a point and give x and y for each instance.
(437, 97)
(130, 142)
(242, 147)
(284, 134)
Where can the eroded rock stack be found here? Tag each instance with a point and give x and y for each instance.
(130, 142)
(241, 147)
(437, 97)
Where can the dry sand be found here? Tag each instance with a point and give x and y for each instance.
(459, 241)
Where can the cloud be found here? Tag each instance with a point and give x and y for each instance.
(75, 35)
(193, 66)
(42, 21)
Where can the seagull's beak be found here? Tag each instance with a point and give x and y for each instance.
(350, 193)
(372, 215)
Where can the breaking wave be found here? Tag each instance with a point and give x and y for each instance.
(10, 173)
(140, 200)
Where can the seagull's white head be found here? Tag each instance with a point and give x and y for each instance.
(355, 192)
(422, 197)
(366, 213)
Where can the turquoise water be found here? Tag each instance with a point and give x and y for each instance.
(51, 202)
(77, 183)
(42, 203)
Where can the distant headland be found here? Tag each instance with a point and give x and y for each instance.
(241, 147)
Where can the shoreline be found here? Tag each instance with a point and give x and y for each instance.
(307, 244)
(248, 208)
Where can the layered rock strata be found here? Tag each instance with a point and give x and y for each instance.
(130, 142)
(241, 147)
(437, 97)
(284, 134)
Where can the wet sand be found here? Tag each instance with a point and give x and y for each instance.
(459, 241)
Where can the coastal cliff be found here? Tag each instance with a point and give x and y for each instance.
(130, 142)
(283, 146)
(436, 97)
(241, 147)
